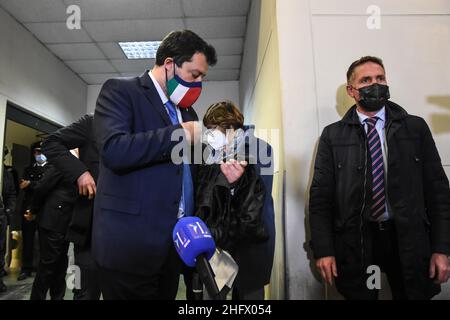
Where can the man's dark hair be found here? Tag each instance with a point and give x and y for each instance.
(182, 45)
(361, 61)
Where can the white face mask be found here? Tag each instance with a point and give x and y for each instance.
(215, 138)
(40, 158)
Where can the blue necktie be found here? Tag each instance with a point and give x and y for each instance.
(378, 207)
(187, 196)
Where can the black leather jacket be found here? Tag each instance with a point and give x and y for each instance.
(232, 212)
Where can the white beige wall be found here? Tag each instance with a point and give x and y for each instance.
(301, 130)
(34, 78)
(318, 40)
(261, 101)
(91, 98)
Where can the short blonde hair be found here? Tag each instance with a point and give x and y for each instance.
(223, 114)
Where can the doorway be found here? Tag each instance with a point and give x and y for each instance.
(23, 131)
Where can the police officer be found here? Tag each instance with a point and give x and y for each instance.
(32, 174)
(52, 207)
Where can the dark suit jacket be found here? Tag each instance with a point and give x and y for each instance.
(139, 187)
(53, 200)
(56, 147)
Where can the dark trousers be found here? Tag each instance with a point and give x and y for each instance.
(28, 233)
(386, 256)
(3, 229)
(257, 294)
(237, 294)
(90, 283)
(51, 274)
(188, 273)
(117, 285)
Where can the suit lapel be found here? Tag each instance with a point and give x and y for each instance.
(153, 96)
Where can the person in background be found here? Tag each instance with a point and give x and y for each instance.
(52, 208)
(32, 174)
(83, 171)
(7, 208)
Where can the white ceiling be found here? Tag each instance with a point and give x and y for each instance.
(93, 53)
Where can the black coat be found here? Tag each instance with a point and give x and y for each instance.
(232, 214)
(32, 173)
(8, 203)
(56, 147)
(417, 189)
(250, 215)
(53, 200)
(255, 259)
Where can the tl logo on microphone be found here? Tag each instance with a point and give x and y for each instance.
(198, 231)
(195, 230)
(181, 240)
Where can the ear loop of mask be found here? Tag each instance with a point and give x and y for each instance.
(167, 83)
(230, 110)
(167, 80)
(352, 87)
(224, 153)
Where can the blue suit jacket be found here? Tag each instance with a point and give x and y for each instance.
(139, 187)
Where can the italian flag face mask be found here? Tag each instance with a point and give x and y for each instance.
(183, 94)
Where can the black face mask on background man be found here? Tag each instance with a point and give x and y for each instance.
(373, 97)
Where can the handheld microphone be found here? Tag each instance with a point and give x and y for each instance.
(195, 246)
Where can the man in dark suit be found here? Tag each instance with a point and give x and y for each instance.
(141, 191)
(379, 196)
(84, 172)
(52, 207)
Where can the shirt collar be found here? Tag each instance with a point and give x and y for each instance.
(381, 115)
(161, 93)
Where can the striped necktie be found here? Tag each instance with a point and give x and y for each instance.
(378, 207)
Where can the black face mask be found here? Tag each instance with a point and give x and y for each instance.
(373, 97)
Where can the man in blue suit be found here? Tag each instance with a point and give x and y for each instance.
(141, 192)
